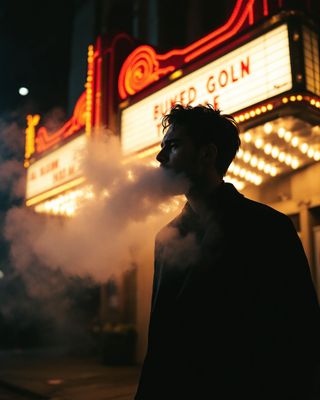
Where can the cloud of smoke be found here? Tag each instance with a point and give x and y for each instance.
(113, 230)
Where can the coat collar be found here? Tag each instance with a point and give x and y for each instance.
(221, 199)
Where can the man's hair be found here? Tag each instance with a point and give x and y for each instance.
(205, 125)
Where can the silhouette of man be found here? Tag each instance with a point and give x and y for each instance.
(234, 313)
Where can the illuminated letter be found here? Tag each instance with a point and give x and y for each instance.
(233, 78)
(216, 102)
(192, 94)
(245, 67)
(156, 112)
(224, 82)
(182, 98)
(211, 86)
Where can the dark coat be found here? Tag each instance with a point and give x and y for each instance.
(234, 312)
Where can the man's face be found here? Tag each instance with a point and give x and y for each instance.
(179, 154)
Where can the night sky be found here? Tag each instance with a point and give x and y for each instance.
(35, 47)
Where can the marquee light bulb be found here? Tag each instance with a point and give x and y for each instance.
(295, 141)
(287, 136)
(247, 137)
(246, 157)
(295, 163)
(288, 159)
(254, 161)
(240, 153)
(258, 143)
(281, 132)
(310, 153)
(267, 169)
(268, 148)
(261, 165)
(267, 128)
(275, 152)
(273, 171)
(282, 156)
(236, 170)
(304, 148)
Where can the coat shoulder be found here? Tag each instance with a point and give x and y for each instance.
(259, 212)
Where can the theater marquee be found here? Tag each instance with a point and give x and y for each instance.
(57, 168)
(252, 73)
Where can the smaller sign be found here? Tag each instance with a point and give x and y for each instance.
(57, 168)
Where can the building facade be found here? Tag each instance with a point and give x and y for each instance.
(261, 64)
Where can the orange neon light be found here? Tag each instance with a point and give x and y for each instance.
(45, 140)
(32, 122)
(144, 66)
(89, 89)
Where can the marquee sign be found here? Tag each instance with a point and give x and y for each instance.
(252, 73)
(57, 168)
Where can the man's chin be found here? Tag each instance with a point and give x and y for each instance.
(173, 182)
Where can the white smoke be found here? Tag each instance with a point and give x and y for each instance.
(109, 232)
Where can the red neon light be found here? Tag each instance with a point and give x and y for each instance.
(265, 8)
(144, 66)
(97, 114)
(139, 70)
(45, 140)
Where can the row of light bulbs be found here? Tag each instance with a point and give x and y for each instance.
(256, 162)
(238, 184)
(288, 137)
(273, 151)
(66, 204)
(244, 173)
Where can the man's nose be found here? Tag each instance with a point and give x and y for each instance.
(161, 157)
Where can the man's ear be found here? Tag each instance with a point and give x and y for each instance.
(210, 153)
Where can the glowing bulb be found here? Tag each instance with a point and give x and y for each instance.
(231, 167)
(281, 132)
(248, 175)
(310, 153)
(246, 157)
(23, 91)
(267, 128)
(295, 163)
(268, 148)
(242, 172)
(287, 136)
(304, 148)
(267, 169)
(295, 141)
(288, 159)
(258, 143)
(236, 170)
(254, 161)
(240, 153)
(261, 164)
(273, 171)
(317, 155)
(275, 152)
(247, 137)
(282, 156)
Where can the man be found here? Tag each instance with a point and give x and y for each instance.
(234, 313)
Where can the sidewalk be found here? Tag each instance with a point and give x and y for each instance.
(55, 377)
